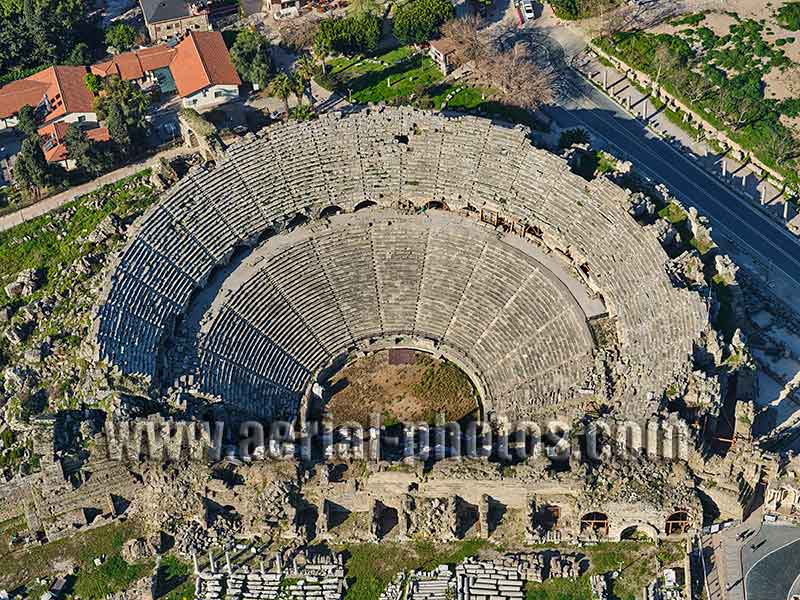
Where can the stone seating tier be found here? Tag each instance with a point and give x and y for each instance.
(398, 157)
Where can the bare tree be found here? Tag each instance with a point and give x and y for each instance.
(298, 34)
(466, 34)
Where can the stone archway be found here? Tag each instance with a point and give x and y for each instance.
(638, 532)
(330, 211)
(595, 523)
(677, 523)
(365, 204)
(435, 205)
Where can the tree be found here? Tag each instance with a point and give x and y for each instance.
(27, 121)
(321, 50)
(89, 155)
(94, 83)
(281, 86)
(358, 7)
(79, 55)
(124, 106)
(350, 35)
(118, 127)
(304, 70)
(303, 112)
(419, 20)
(466, 34)
(251, 54)
(31, 171)
(121, 37)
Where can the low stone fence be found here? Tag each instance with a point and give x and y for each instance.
(689, 116)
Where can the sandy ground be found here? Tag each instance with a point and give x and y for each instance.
(371, 385)
(719, 20)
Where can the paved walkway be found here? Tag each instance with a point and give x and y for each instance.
(53, 202)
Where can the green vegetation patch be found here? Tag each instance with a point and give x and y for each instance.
(53, 241)
(789, 16)
(373, 566)
(175, 576)
(26, 564)
(673, 213)
(114, 575)
(722, 79)
(403, 77)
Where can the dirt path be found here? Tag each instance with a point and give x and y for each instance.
(54, 202)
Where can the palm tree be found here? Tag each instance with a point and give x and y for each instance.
(304, 70)
(321, 49)
(298, 87)
(281, 86)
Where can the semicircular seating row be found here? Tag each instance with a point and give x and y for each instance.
(314, 296)
(392, 156)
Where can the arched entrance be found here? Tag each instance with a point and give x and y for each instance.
(639, 533)
(365, 204)
(547, 517)
(677, 523)
(330, 211)
(595, 522)
(435, 205)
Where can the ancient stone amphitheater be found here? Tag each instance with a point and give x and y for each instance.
(397, 228)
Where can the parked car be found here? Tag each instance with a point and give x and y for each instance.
(527, 9)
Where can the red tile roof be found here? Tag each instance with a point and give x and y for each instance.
(134, 65)
(64, 87)
(55, 150)
(202, 60)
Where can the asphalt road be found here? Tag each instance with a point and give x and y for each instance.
(737, 219)
(771, 561)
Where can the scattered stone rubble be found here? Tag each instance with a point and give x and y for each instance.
(502, 578)
(305, 576)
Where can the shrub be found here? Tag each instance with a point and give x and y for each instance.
(419, 20)
(354, 34)
(574, 136)
(789, 16)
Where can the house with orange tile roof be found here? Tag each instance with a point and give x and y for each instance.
(199, 68)
(203, 71)
(54, 147)
(58, 94)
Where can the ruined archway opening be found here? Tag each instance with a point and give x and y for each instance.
(546, 518)
(677, 523)
(330, 211)
(364, 204)
(635, 533)
(594, 524)
(435, 205)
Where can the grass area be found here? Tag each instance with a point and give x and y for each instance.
(373, 566)
(673, 213)
(114, 575)
(27, 564)
(176, 576)
(636, 561)
(401, 76)
(444, 383)
(53, 241)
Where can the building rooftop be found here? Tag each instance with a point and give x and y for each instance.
(63, 87)
(202, 60)
(134, 64)
(156, 11)
(53, 146)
